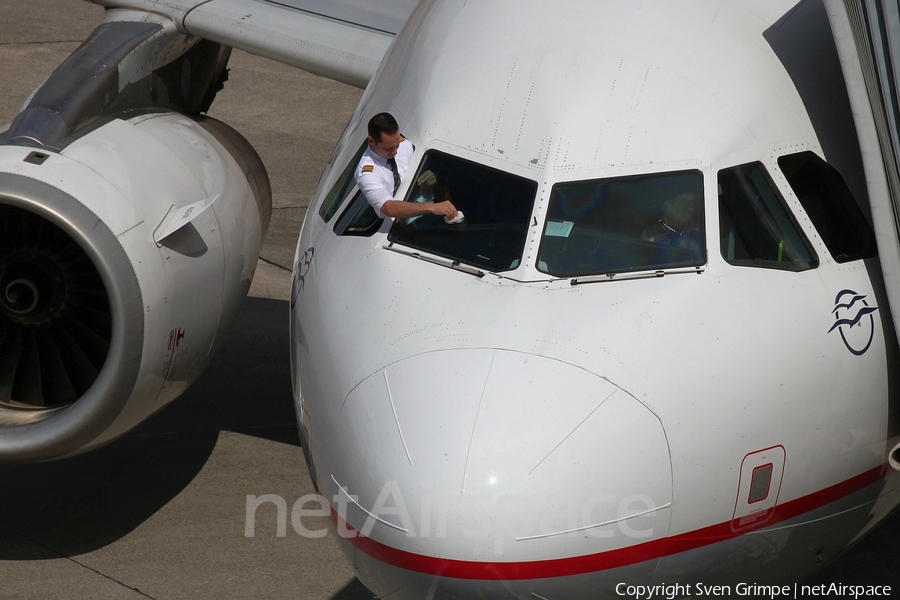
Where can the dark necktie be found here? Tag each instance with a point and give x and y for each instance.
(396, 173)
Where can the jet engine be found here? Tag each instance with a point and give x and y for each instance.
(130, 228)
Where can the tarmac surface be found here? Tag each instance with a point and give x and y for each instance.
(162, 512)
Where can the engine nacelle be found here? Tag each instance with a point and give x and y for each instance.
(112, 299)
(129, 233)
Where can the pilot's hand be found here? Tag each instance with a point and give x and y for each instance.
(445, 209)
(427, 179)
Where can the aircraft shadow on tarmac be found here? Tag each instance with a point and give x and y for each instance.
(83, 503)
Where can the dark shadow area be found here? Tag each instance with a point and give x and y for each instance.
(247, 387)
(353, 591)
(873, 561)
(76, 505)
(186, 241)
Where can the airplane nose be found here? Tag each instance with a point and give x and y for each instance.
(494, 464)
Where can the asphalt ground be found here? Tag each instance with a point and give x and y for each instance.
(162, 512)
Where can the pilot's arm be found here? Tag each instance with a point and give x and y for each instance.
(441, 203)
(378, 192)
(398, 209)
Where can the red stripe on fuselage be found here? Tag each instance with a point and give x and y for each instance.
(601, 561)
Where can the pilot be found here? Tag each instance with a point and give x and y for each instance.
(382, 166)
(678, 225)
(432, 188)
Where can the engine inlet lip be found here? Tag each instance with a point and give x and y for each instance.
(28, 435)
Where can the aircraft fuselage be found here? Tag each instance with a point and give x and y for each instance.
(555, 397)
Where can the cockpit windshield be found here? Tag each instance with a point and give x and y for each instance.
(496, 205)
(621, 224)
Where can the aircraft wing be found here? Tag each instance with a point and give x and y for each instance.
(343, 40)
(867, 37)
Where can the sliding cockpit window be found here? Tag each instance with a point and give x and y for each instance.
(830, 206)
(341, 187)
(624, 224)
(756, 228)
(496, 206)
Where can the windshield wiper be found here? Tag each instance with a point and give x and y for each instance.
(642, 275)
(450, 264)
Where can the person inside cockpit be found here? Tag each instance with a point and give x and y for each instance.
(432, 189)
(678, 227)
(678, 223)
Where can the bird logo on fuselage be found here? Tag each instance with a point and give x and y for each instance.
(850, 319)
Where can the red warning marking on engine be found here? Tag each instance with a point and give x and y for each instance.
(175, 337)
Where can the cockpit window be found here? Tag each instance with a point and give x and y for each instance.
(635, 223)
(830, 206)
(359, 218)
(755, 227)
(496, 205)
(341, 187)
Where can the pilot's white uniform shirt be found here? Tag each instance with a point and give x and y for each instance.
(375, 178)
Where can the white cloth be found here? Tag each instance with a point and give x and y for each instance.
(459, 218)
(377, 182)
